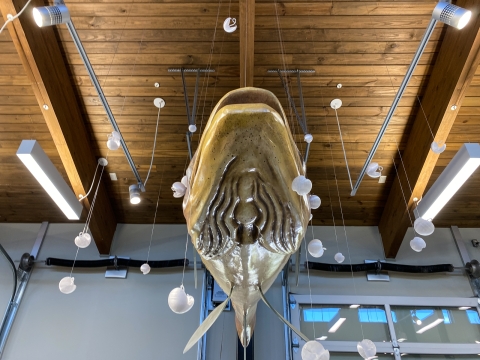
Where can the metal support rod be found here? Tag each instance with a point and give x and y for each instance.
(189, 144)
(395, 103)
(103, 99)
(302, 105)
(307, 71)
(192, 70)
(194, 110)
(307, 151)
(286, 314)
(202, 344)
(343, 148)
(23, 276)
(462, 250)
(185, 95)
(290, 99)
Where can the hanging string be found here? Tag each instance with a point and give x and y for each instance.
(425, 116)
(10, 18)
(343, 148)
(153, 150)
(403, 194)
(153, 226)
(308, 277)
(91, 186)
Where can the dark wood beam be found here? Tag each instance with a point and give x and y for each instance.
(40, 54)
(453, 72)
(247, 32)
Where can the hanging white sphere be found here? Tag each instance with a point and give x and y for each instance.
(367, 349)
(339, 258)
(315, 248)
(301, 185)
(423, 227)
(192, 128)
(230, 25)
(308, 138)
(67, 285)
(179, 301)
(418, 244)
(178, 189)
(83, 240)
(314, 201)
(438, 149)
(313, 350)
(145, 269)
(113, 142)
(184, 181)
(374, 170)
(311, 217)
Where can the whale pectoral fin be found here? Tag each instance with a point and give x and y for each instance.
(285, 321)
(206, 324)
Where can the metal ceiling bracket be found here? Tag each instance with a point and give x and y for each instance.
(302, 120)
(396, 101)
(103, 100)
(462, 250)
(23, 275)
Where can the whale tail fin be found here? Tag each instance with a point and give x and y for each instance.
(245, 324)
(206, 324)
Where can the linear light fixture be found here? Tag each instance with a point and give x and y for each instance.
(354, 306)
(429, 326)
(445, 12)
(463, 164)
(34, 158)
(337, 325)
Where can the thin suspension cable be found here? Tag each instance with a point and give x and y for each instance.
(91, 186)
(403, 194)
(11, 18)
(154, 146)
(89, 217)
(153, 226)
(425, 116)
(343, 148)
(308, 277)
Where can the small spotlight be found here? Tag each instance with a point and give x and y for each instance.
(134, 191)
(51, 15)
(452, 15)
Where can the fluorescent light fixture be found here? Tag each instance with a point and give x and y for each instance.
(51, 15)
(464, 307)
(429, 326)
(321, 338)
(337, 325)
(463, 164)
(477, 342)
(35, 159)
(354, 306)
(452, 15)
(401, 340)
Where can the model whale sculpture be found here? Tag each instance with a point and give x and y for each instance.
(243, 216)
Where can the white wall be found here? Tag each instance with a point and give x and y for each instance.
(130, 319)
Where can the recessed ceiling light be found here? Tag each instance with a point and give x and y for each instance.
(113, 176)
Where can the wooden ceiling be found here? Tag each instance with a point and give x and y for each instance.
(364, 45)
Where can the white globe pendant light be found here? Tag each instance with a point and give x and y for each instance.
(67, 285)
(301, 185)
(367, 349)
(339, 258)
(145, 269)
(314, 201)
(418, 244)
(437, 149)
(83, 240)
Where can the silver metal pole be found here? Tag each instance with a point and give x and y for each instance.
(23, 276)
(202, 344)
(286, 314)
(396, 100)
(103, 99)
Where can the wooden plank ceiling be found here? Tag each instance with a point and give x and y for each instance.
(364, 45)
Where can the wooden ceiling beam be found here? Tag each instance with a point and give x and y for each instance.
(46, 70)
(452, 74)
(247, 32)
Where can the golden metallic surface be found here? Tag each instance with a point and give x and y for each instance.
(243, 217)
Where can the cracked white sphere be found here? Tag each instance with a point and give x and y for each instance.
(67, 285)
(339, 258)
(423, 227)
(145, 269)
(83, 240)
(192, 128)
(178, 189)
(367, 349)
(314, 201)
(315, 248)
(179, 301)
(308, 138)
(418, 244)
(313, 350)
(438, 149)
(301, 185)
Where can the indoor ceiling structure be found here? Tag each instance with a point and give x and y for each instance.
(366, 46)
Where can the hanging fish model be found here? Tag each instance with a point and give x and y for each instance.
(243, 216)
